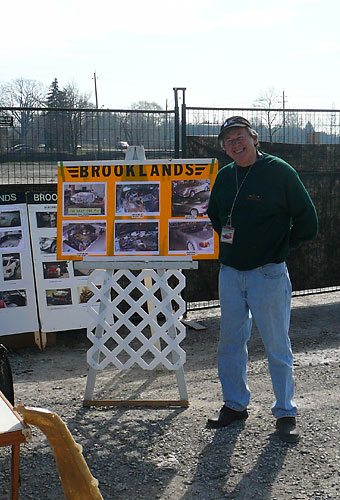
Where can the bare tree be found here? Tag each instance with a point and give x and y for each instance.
(270, 100)
(77, 120)
(22, 93)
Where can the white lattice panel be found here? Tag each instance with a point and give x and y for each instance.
(138, 320)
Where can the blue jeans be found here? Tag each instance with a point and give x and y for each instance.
(264, 294)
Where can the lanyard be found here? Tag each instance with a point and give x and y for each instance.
(238, 189)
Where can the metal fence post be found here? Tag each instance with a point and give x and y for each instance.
(184, 126)
(176, 123)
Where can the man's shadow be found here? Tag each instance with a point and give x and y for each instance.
(215, 465)
(222, 446)
(258, 483)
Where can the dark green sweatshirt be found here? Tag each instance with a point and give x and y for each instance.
(273, 212)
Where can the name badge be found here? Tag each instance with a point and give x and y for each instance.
(227, 234)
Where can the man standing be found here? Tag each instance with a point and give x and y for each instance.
(260, 210)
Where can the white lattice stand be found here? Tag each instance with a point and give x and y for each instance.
(138, 320)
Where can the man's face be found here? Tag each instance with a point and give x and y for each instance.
(240, 146)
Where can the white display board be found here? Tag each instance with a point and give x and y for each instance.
(62, 291)
(18, 308)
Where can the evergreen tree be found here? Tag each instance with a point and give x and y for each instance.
(56, 127)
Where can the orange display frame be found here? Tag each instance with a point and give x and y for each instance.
(135, 208)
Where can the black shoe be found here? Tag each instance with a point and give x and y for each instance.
(287, 430)
(226, 416)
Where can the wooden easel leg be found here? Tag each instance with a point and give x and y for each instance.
(40, 338)
(15, 471)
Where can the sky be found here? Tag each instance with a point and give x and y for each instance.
(225, 53)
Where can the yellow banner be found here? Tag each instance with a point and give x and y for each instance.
(135, 209)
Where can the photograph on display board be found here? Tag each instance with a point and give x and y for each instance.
(48, 245)
(136, 237)
(13, 298)
(82, 272)
(84, 294)
(11, 239)
(190, 198)
(194, 237)
(10, 218)
(84, 199)
(56, 269)
(11, 266)
(137, 198)
(59, 297)
(89, 237)
(46, 219)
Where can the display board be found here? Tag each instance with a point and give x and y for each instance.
(18, 309)
(62, 291)
(156, 207)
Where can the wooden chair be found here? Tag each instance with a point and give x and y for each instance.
(13, 432)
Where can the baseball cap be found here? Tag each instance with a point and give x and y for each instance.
(233, 121)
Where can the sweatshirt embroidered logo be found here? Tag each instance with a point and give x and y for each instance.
(254, 197)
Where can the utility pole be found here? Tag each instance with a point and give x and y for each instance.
(283, 116)
(96, 96)
(95, 88)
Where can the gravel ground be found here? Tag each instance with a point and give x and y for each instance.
(168, 453)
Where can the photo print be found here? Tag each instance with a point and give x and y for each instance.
(11, 239)
(141, 198)
(82, 272)
(10, 218)
(55, 270)
(136, 237)
(189, 198)
(11, 266)
(13, 298)
(87, 237)
(194, 237)
(84, 199)
(59, 297)
(47, 245)
(46, 219)
(84, 294)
